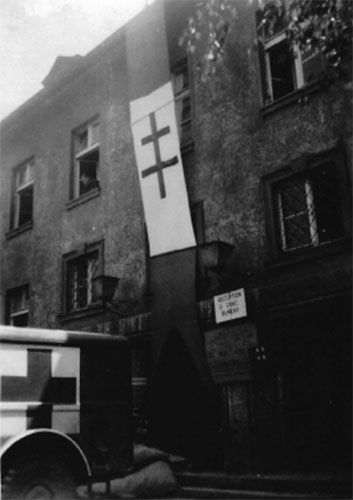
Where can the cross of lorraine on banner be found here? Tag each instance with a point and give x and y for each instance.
(161, 173)
(160, 165)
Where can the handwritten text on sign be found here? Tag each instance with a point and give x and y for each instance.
(230, 305)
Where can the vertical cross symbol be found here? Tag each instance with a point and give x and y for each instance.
(160, 165)
(39, 385)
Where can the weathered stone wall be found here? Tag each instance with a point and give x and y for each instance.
(235, 145)
(114, 216)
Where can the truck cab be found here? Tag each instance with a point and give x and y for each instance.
(65, 411)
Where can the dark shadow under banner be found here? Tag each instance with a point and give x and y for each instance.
(182, 405)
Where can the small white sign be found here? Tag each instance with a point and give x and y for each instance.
(230, 306)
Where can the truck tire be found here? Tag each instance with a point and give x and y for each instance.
(38, 477)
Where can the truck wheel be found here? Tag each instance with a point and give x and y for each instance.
(38, 478)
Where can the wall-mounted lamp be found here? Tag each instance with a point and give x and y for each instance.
(104, 287)
(215, 254)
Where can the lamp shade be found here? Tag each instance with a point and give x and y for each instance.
(104, 287)
(215, 254)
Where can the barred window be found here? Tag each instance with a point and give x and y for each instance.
(308, 205)
(308, 208)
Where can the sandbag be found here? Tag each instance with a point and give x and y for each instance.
(144, 455)
(154, 480)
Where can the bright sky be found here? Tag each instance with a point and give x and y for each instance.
(34, 32)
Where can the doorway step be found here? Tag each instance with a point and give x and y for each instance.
(222, 485)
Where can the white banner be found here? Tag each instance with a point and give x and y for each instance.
(161, 172)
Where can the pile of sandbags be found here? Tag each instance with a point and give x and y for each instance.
(152, 476)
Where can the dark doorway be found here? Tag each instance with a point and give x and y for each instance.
(306, 425)
(182, 417)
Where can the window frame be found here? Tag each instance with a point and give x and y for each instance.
(23, 311)
(68, 258)
(179, 97)
(300, 167)
(79, 154)
(297, 62)
(17, 192)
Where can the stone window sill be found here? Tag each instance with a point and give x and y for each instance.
(92, 310)
(323, 250)
(19, 230)
(82, 199)
(298, 96)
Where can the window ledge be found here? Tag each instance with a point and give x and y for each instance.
(92, 310)
(82, 199)
(295, 96)
(323, 250)
(18, 230)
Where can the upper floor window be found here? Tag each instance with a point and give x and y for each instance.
(289, 69)
(86, 159)
(310, 206)
(17, 302)
(181, 86)
(79, 271)
(285, 67)
(22, 195)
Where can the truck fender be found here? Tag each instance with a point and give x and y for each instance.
(48, 437)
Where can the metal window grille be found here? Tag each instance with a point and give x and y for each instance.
(80, 272)
(308, 209)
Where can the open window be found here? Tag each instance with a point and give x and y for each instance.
(288, 69)
(86, 159)
(22, 195)
(285, 68)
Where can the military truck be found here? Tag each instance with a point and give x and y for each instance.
(65, 414)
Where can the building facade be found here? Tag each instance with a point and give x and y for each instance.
(266, 149)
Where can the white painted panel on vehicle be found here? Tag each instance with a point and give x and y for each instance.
(65, 362)
(12, 425)
(13, 361)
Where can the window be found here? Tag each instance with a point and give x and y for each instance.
(86, 159)
(308, 209)
(79, 270)
(22, 200)
(182, 101)
(17, 306)
(310, 206)
(284, 69)
(287, 71)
